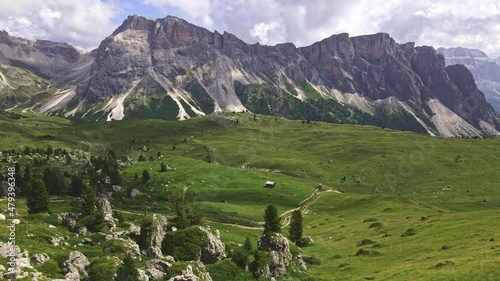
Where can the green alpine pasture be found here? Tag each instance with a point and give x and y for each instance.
(392, 205)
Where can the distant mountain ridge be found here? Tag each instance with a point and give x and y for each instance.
(486, 71)
(170, 69)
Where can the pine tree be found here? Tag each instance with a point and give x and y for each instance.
(128, 270)
(272, 220)
(145, 176)
(76, 186)
(89, 201)
(37, 197)
(248, 245)
(296, 226)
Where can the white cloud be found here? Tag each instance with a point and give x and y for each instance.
(467, 23)
(198, 11)
(83, 23)
(447, 23)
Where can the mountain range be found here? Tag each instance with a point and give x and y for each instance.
(170, 69)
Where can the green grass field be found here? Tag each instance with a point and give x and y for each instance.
(446, 190)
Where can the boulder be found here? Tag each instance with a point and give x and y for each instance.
(278, 248)
(215, 250)
(117, 188)
(110, 222)
(299, 261)
(74, 266)
(82, 230)
(104, 204)
(305, 241)
(40, 258)
(188, 274)
(134, 192)
(23, 263)
(5, 250)
(142, 275)
(157, 268)
(69, 220)
(55, 241)
(155, 237)
(133, 230)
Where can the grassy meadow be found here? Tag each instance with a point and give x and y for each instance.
(407, 206)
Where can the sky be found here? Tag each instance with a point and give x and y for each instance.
(445, 23)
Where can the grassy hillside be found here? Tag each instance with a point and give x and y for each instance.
(443, 193)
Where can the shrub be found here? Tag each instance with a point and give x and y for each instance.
(365, 242)
(363, 252)
(408, 232)
(128, 271)
(311, 260)
(375, 225)
(445, 247)
(304, 242)
(103, 268)
(261, 259)
(115, 247)
(294, 250)
(227, 270)
(51, 269)
(240, 256)
(185, 244)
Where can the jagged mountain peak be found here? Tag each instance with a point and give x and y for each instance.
(171, 69)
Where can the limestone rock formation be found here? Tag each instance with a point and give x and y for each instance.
(40, 258)
(486, 71)
(155, 237)
(278, 248)
(193, 71)
(74, 266)
(189, 274)
(216, 250)
(156, 268)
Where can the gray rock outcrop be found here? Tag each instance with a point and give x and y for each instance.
(278, 248)
(189, 274)
(157, 268)
(152, 247)
(40, 258)
(69, 220)
(134, 192)
(216, 250)
(74, 266)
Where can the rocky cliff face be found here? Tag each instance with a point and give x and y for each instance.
(170, 69)
(485, 71)
(59, 62)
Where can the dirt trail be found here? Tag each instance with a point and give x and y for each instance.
(286, 216)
